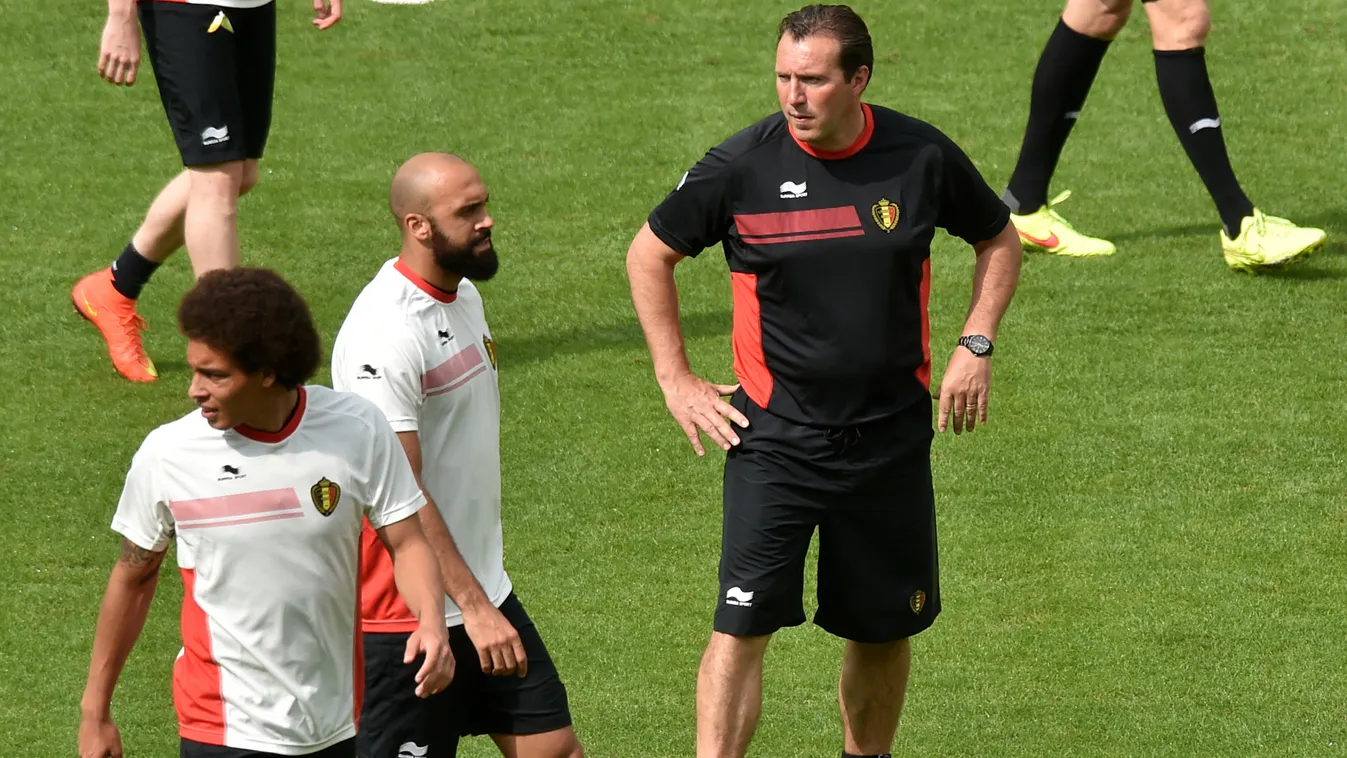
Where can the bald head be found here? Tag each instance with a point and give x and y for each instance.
(426, 180)
(439, 201)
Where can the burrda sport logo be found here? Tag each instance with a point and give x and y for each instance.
(737, 596)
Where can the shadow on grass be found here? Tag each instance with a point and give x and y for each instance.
(1186, 230)
(541, 347)
(171, 367)
(1334, 221)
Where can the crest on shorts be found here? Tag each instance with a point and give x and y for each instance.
(326, 494)
(917, 601)
(885, 214)
(490, 349)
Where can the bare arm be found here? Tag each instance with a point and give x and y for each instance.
(459, 582)
(119, 51)
(650, 269)
(966, 386)
(694, 403)
(499, 649)
(126, 604)
(418, 582)
(995, 277)
(414, 569)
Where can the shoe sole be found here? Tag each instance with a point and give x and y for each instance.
(1249, 268)
(1038, 250)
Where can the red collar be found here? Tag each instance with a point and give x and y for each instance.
(291, 424)
(444, 296)
(848, 151)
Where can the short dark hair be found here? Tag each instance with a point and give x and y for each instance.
(257, 319)
(842, 23)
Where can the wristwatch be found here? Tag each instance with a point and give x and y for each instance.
(977, 345)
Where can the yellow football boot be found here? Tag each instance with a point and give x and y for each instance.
(1045, 231)
(1267, 241)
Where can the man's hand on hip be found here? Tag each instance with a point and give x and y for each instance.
(498, 646)
(699, 406)
(963, 391)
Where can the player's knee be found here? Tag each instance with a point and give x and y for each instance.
(219, 181)
(1179, 24)
(250, 177)
(1101, 19)
(737, 646)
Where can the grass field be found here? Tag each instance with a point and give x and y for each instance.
(1143, 554)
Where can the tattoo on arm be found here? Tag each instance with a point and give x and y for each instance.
(144, 563)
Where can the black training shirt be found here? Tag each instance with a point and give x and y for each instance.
(829, 254)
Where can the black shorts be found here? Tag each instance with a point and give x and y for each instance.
(867, 490)
(190, 749)
(473, 703)
(216, 86)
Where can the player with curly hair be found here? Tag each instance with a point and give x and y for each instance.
(265, 490)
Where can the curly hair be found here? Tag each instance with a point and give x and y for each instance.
(257, 319)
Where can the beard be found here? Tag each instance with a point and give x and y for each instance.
(464, 260)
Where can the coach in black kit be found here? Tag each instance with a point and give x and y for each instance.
(826, 213)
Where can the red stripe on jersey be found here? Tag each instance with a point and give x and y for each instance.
(382, 609)
(750, 366)
(924, 371)
(262, 503)
(358, 645)
(291, 424)
(804, 237)
(196, 675)
(797, 222)
(457, 382)
(444, 296)
(452, 370)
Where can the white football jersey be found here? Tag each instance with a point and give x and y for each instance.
(426, 358)
(268, 529)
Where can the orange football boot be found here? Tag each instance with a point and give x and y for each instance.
(115, 316)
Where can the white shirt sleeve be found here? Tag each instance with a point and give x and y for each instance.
(143, 516)
(392, 493)
(386, 374)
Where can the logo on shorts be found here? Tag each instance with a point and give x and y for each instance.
(490, 349)
(367, 372)
(885, 214)
(412, 750)
(917, 601)
(736, 596)
(214, 135)
(326, 494)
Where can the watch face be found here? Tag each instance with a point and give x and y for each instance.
(977, 344)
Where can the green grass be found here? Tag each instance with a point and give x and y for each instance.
(1142, 554)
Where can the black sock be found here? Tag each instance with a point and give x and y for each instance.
(1065, 72)
(1191, 106)
(130, 271)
